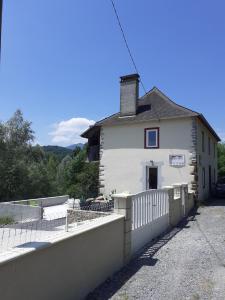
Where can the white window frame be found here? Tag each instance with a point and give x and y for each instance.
(156, 130)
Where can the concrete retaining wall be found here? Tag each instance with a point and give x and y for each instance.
(44, 202)
(20, 212)
(67, 269)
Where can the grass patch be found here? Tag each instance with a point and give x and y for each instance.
(33, 202)
(27, 202)
(6, 220)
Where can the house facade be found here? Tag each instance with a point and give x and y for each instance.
(152, 143)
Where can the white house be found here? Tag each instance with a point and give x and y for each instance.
(153, 142)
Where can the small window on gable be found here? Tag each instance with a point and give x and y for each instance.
(152, 138)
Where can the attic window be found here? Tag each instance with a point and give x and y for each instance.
(143, 108)
(151, 138)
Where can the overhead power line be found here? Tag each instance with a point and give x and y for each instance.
(1, 5)
(126, 43)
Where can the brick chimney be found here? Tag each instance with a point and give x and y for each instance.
(129, 93)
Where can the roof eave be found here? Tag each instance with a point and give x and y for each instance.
(88, 132)
(206, 123)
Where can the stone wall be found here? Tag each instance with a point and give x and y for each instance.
(74, 215)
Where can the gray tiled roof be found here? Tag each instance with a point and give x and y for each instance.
(152, 106)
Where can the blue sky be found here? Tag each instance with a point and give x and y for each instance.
(61, 60)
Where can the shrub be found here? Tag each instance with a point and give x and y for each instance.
(6, 220)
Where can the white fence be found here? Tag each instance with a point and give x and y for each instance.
(150, 213)
(150, 216)
(148, 206)
(145, 216)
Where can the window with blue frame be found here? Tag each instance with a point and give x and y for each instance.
(152, 138)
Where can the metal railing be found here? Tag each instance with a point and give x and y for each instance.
(22, 234)
(148, 206)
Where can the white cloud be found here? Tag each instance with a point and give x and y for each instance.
(68, 132)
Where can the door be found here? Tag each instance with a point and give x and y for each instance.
(152, 180)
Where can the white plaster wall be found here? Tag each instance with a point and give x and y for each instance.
(67, 268)
(204, 160)
(124, 158)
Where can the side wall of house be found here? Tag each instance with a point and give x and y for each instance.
(124, 160)
(206, 159)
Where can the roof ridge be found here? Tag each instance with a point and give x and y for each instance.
(155, 89)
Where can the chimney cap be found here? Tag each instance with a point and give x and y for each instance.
(130, 77)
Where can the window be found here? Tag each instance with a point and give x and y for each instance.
(203, 141)
(209, 145)
(203, 178)
(151, 137)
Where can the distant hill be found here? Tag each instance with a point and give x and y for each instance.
(72, 147)
(60, 152)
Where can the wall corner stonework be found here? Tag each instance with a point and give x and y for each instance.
(101, 166)
(194, 160)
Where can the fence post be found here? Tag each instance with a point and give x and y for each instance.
(42, 211)
(123, 206)
(177, 190)
(170, 191)
(184, 195)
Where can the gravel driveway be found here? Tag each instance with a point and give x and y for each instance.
(187, 263)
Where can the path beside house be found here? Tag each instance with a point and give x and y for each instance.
(187, 263)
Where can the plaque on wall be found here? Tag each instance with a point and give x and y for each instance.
(177, 160)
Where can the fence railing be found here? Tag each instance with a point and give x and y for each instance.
(148, 206)
(21, 233)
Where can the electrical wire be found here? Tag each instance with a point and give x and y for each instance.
(126, 43)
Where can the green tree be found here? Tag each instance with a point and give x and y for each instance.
(39, 184)
(82, 177)
(62, 176)
(28, 171)
(16, 136)
(221, 159)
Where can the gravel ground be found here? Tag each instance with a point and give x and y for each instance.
(186, 263)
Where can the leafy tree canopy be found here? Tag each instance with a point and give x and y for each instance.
(28, 171)
(221, 159)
